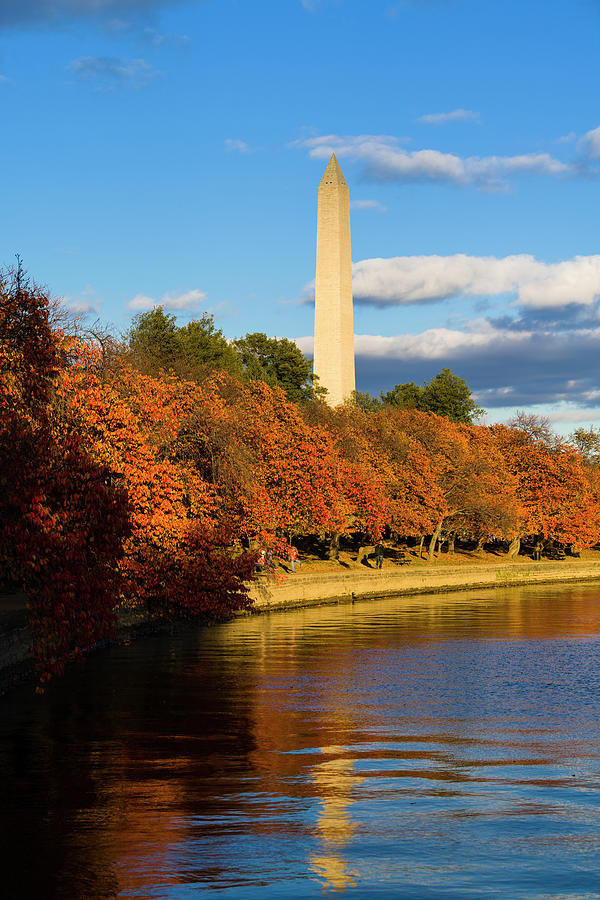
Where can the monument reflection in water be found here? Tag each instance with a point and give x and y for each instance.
(443, 746)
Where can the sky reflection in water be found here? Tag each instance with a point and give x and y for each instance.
(431, 747)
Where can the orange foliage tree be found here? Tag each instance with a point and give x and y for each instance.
(558, 494)
(275, 476)
(448, 476)
(62, 521)
(176, 558)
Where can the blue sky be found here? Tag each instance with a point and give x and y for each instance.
(164, 151)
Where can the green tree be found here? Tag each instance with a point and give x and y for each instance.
(152, 339)
(365, 401)
(405, 396)
(203, 348)
(279, 363)
(193, 351)
(446, 395)
(587, 441)
(449, 395)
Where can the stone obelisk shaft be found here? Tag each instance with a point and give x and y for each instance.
(334, 327)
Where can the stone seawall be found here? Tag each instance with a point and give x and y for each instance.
(307, 590)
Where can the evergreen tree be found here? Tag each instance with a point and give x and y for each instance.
(446, 395)
(404, 396)
(449, 395)
(152, 339)
(203, 348)
(192, 351)
(278, 362)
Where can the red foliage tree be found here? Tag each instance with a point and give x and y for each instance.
(556, 491)
(175, 558)
(62, 521)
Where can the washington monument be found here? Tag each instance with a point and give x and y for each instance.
(334, 327)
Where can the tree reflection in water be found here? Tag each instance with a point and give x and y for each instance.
(401, 748)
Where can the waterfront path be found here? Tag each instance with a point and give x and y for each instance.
(311, 588)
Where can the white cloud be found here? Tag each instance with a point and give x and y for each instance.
(418, 279)
(110, 71)
(457, 115)
(566, 138)
(440, 343)
(81, 307)
(87, 302)
(368, 204)
(589, 144)
(233, 144)
(574, 416)
(140, 301)
(433, 344)
(188, 300)
(385, 160)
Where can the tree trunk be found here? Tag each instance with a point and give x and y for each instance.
(434, 539)
(480, 543)
(421, 547)
(514, 547)
(334, 545)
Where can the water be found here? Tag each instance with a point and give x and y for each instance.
(433, 747)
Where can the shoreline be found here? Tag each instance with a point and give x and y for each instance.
(304, 589)
(299, 590)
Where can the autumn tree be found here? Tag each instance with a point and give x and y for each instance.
(470, 484)
(554, 488)
(62, 518)
(176, 544)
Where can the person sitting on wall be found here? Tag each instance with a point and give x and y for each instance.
(270, 562)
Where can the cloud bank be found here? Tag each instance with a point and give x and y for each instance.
(403, 280)
(384, 159)
(546, 355)
(589, 144)
(504, 367)
(177, 302)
